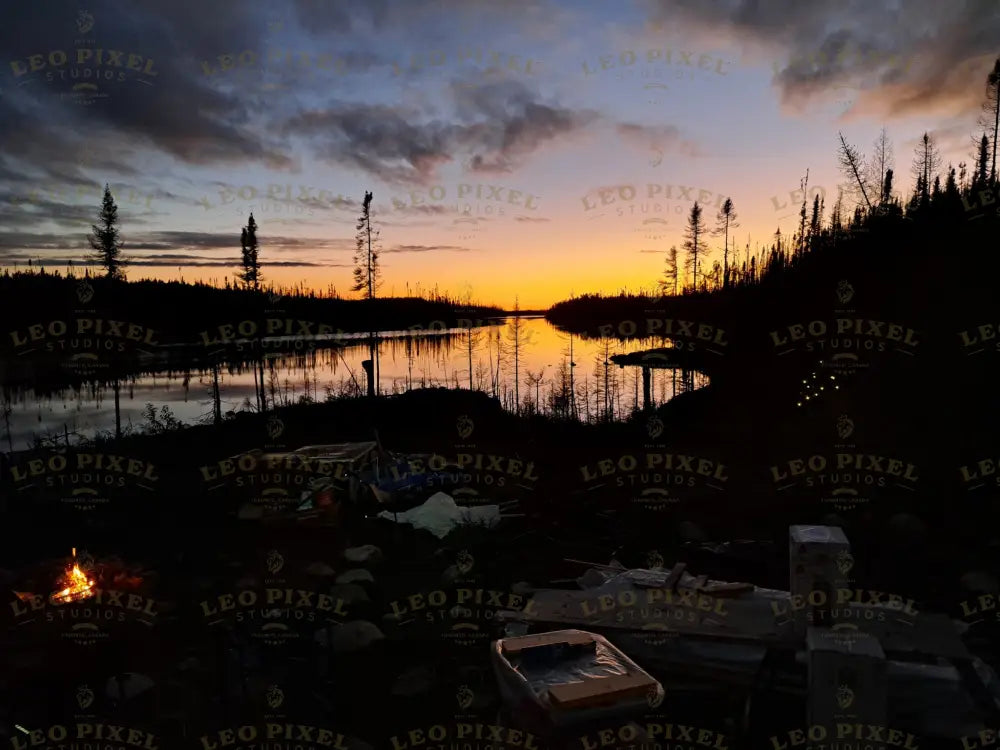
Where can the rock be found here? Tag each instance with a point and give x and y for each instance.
(321, 569)
(350, 637)
(366, 554)
(356, 575)
(351, 593)
(415, 681)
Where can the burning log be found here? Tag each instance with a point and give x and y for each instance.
(77, 585)
(84, 578)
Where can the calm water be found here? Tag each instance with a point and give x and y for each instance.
(405, 362)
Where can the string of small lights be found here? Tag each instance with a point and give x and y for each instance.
(816, 385)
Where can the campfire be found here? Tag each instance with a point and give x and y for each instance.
(77, 585)
(83, 578)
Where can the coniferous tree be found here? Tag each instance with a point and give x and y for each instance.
(952, 196)
(105, 239)
(251, 275)
(672, 275)
(836, 218)
(694, 242)
(981, 178)
(367, 269)
(814, 223)
(367, 274)
(726, 219)
(926, 163)
(804, 186)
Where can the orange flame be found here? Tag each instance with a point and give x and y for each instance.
(77, 585)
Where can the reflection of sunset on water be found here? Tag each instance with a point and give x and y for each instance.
(424, 361)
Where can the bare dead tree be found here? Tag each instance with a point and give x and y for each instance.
(882, 160)
(852, 166)
(726, 220)
(990, 118)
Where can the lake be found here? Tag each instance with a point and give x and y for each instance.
(406, 361)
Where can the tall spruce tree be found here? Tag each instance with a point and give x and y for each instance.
(726, 220)
(251, 275)
(694, 242)
(367, 274)
(672, 273)
(106, 241)
(367, 269)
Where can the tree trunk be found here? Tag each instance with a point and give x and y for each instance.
(216, 401)
(369, 366)
(256, 387)
(996, 127)
(263, 392)
(118, 414)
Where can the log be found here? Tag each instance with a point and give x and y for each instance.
(674, 576)
(727, 589)
(698, 583)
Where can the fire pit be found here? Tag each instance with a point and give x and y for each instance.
(77, 584)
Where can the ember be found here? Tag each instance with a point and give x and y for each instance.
(77, 585)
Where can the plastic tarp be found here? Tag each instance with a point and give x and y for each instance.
(440, 514)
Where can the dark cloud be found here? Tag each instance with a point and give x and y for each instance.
(153, 262)
(500, 123)
(326, 16)
(176, 111)
(428, 248)
(13, 243)
(917, 54)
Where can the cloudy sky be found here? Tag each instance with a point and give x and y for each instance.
(515, 148)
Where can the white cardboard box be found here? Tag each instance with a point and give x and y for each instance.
(820, 562)
(847, 679)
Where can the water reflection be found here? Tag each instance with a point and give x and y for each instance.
(526, 363)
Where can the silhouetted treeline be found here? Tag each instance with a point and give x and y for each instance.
(179, 312)
(890, 255)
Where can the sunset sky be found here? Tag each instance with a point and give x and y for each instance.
(451, 111)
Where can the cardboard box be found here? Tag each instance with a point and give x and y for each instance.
(819, 563)
(514, 646)
(603, 691)
(847, 679)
